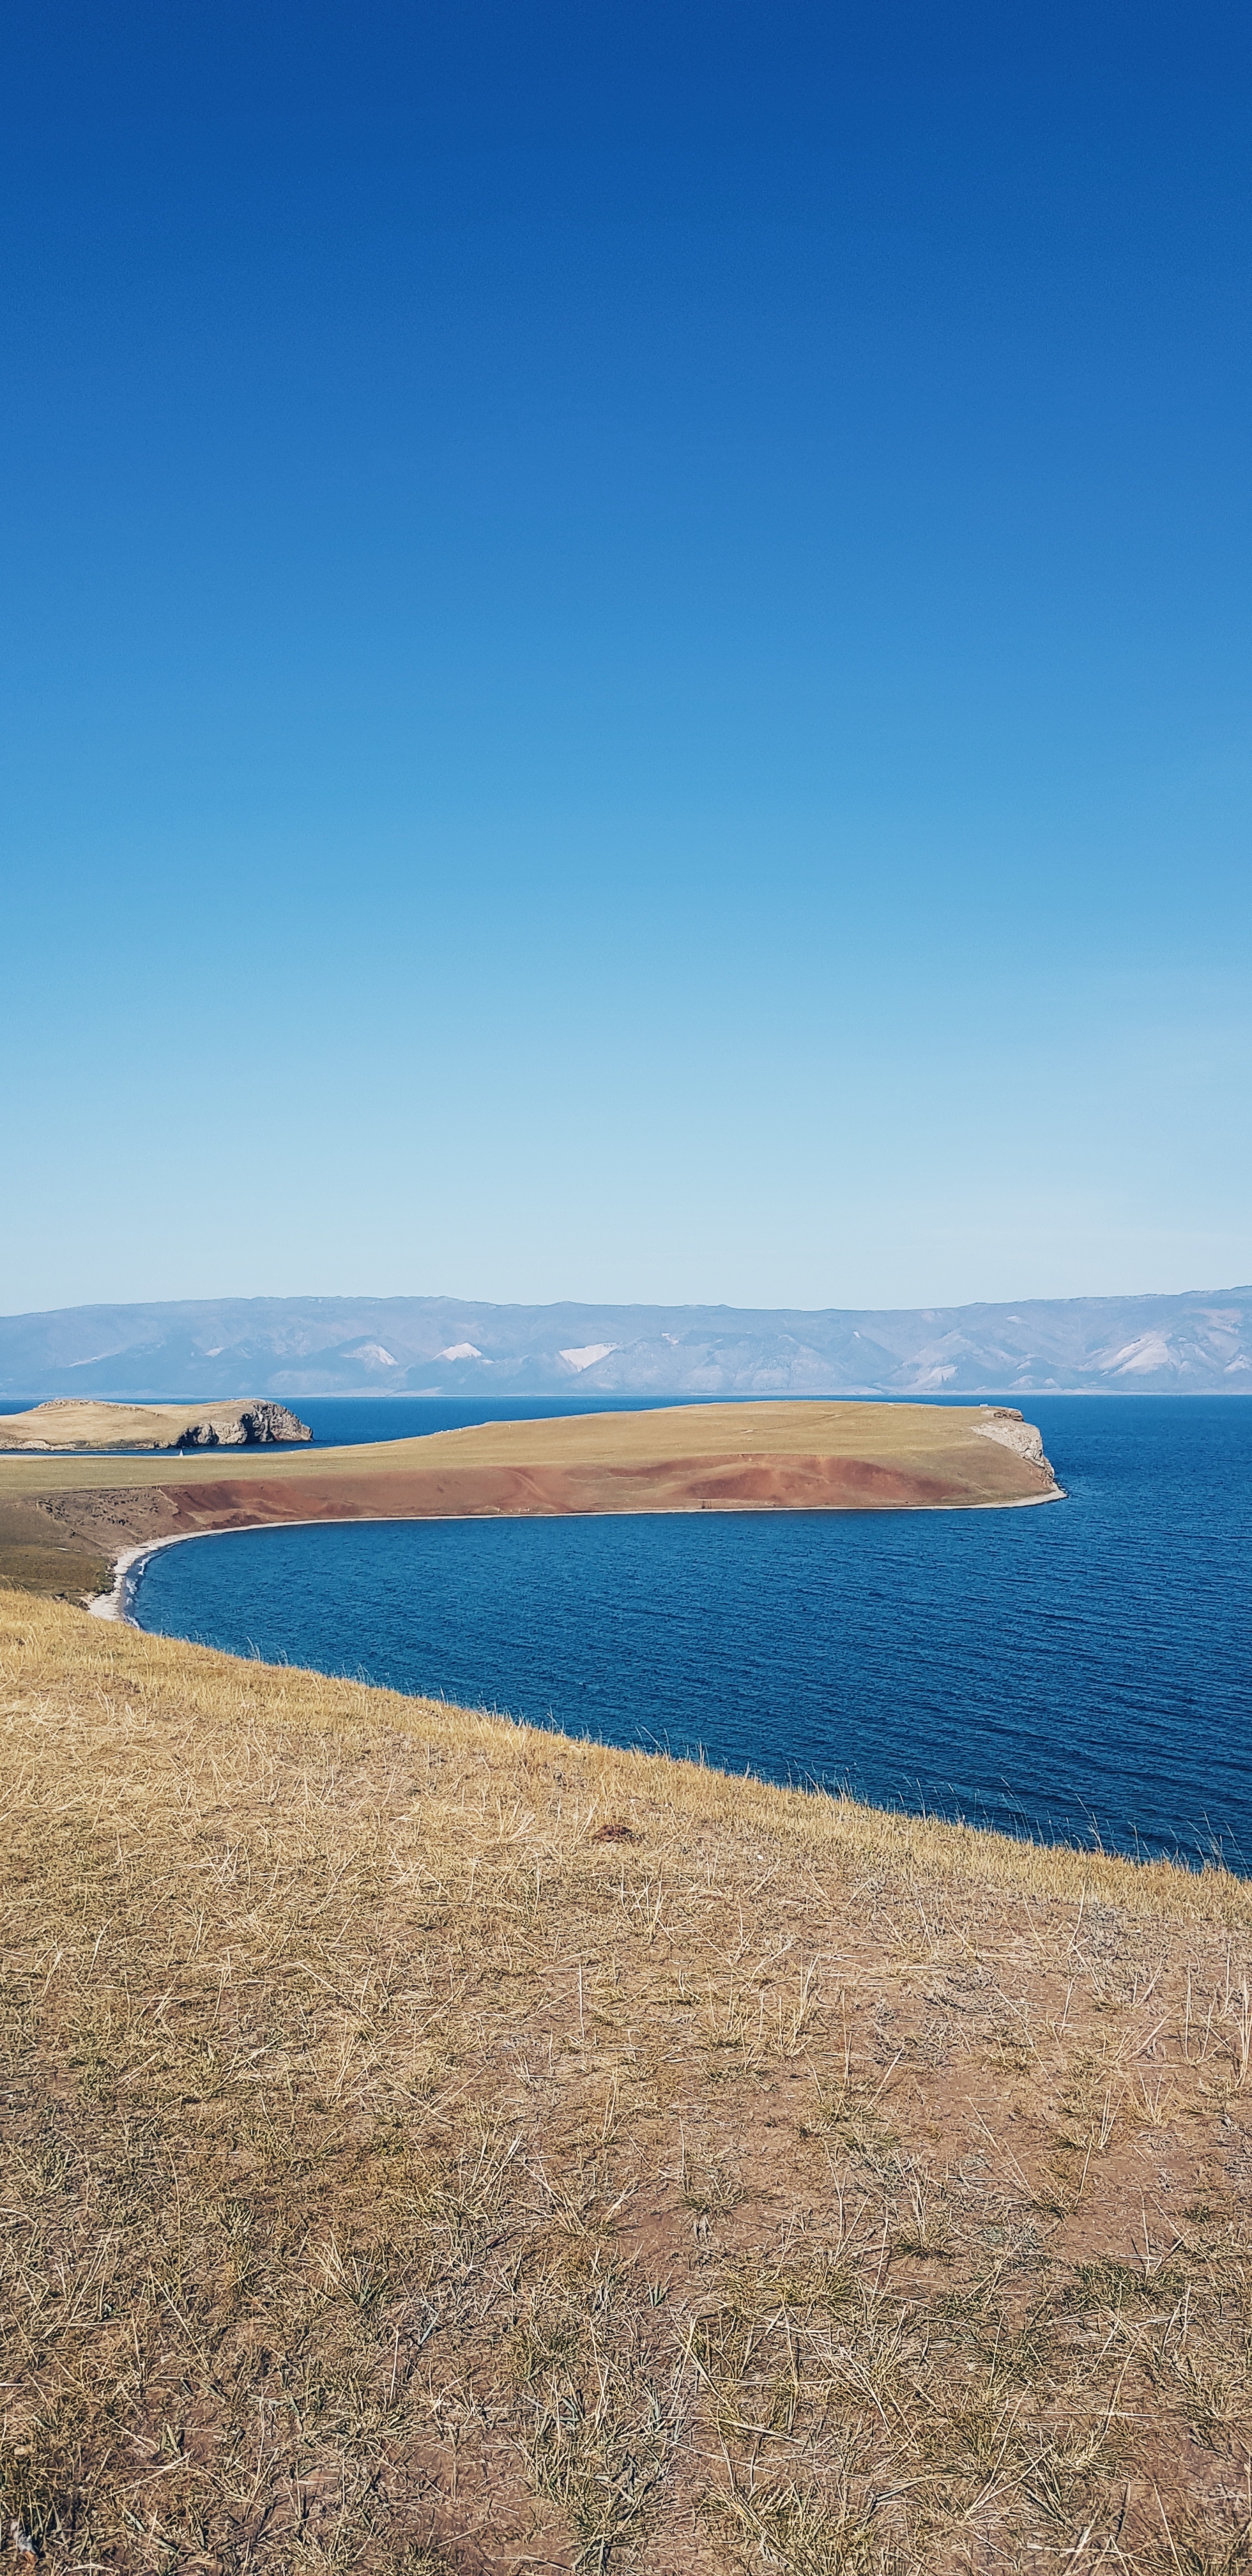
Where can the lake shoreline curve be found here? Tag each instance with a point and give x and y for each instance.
(765, 1456)
(129, 1564)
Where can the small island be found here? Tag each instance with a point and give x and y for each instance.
(88, 1422)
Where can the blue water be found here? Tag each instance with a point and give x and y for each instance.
(1082, 1671)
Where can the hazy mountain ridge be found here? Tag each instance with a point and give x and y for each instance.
(1199, 1343)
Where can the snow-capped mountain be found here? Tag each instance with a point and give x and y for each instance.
(1199, 1343)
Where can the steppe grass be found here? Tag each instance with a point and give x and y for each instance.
(434, 2144)
(37, 1556)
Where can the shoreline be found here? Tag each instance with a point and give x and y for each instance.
(132, 1560)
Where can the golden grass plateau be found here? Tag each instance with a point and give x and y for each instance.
(434, 2144)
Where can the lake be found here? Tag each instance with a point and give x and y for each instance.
(1081, 1671)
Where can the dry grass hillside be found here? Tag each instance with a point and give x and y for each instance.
(433, 2145)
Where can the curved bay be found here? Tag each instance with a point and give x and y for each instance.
(1078, 1671)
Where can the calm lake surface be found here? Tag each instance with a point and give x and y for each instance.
(1080, 1671)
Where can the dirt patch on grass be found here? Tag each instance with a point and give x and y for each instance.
(435, 2144)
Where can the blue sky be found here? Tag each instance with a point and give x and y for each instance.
(627, 643)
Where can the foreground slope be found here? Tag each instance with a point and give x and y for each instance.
(436, 2145)
(748, 1457)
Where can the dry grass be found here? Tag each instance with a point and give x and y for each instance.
(432, 2144)
(37, 1556)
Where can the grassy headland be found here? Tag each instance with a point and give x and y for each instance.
(723, 1457)
(434, 2144)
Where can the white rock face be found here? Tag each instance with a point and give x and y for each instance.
(244, 1428)
(587, 1356)
(1008, 1428)
(1142, 1358)
(460, 1351)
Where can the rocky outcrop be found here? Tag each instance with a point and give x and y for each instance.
(1006, 1425)
(244, 1426)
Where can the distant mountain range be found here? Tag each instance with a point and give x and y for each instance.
(1200, 1343)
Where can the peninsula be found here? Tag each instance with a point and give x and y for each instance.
(65, 1521)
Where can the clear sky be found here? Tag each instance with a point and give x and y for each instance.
(627, 643)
